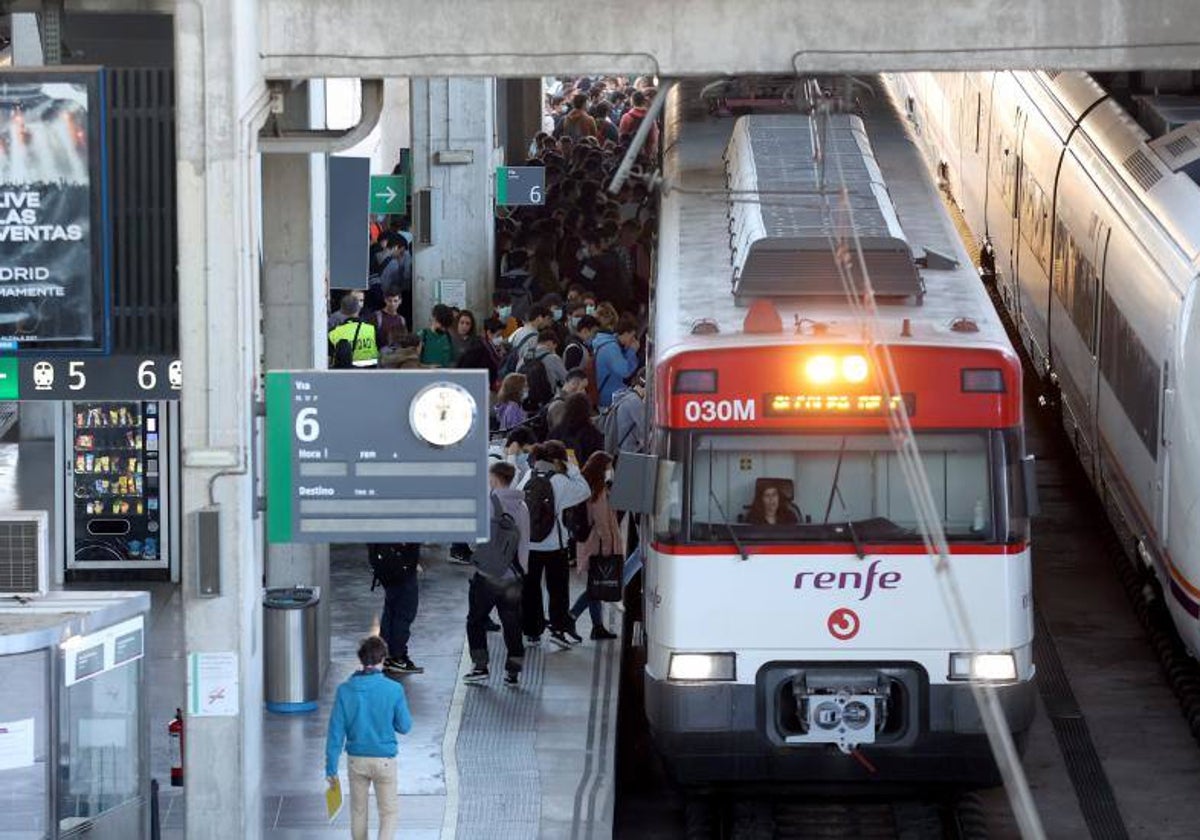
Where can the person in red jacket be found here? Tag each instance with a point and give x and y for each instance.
(632, 120)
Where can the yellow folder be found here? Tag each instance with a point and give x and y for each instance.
(333, 798)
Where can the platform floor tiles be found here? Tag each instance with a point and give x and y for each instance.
(481, 761)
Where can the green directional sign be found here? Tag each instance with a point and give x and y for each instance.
(389, 193)
(10, 388)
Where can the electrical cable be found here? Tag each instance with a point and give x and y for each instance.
(847, 252)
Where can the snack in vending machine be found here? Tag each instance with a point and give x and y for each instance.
(114, 417)
(141, 507)
(135, 549)
(152, 502)
(150, 550)
(78, 419)
(89, 463)
(80, 462)
(102, 464)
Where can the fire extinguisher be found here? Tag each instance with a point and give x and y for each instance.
(175, 730)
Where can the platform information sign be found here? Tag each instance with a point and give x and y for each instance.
(520, 185)
(110, 378)
(389, 193)
(377, 456)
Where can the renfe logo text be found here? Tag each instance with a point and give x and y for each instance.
(864, 582)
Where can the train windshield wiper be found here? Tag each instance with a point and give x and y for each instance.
(834, 491)
(728, 527)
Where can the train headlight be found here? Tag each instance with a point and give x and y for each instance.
(821, 370)
(701, 667)
(990, 667)
(854, 368)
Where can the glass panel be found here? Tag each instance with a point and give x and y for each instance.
(101, 755)
(23, 699)
(807, 487)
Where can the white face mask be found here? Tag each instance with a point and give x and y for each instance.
(504, 312)
(498, 340)
(525, 395)
(556, 313)
(608, 475)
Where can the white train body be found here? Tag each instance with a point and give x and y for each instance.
(1116, 329)
(827, 638)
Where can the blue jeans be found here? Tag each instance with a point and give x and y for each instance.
(633, 564)
(399, 610)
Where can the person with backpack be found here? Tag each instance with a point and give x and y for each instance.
(352, 343)
(551, 486)
(602, 537)
(578, 123)
(575, 383)
(500, 565)
(394, 566)
(543, 370)
(576, 429)
(524, 338)
(615, 348)
(622, 422)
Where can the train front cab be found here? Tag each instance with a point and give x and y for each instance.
(817, 649)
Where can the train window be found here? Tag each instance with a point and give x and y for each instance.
(829, 480)
(668, 507)
(1131, 372)
(1075, 284)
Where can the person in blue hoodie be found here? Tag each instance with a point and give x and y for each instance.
(616, 352)
(368, 711)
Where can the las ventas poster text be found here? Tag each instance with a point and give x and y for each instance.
(20, 220)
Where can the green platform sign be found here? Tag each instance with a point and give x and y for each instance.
(389, 193)
(520, 185)
(377, 456)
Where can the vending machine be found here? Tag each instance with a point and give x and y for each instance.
(122, 486)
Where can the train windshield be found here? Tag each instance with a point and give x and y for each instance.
(851, 487)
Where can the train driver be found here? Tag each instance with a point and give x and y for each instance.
(770, 508)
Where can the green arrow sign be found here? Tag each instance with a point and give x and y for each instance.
(389, 193)
(10, 384)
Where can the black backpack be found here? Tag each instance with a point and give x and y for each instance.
(539, 498)
(497, 557)
(343, 351)
(540, 389)
(391, 563)
(577, 522)
(509, 365)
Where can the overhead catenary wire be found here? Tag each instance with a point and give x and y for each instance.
(848, 253)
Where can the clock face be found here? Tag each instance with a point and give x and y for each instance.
(442, 413)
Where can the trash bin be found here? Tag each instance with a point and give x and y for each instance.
(290, 657)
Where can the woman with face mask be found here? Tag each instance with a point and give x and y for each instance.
(507, 409)
(604, 538)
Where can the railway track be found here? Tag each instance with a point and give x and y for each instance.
(833, 819)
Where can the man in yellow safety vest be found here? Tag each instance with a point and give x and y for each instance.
(358, 347)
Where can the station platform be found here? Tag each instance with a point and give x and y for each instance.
(481, 760)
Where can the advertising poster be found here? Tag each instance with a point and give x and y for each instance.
(52, 278)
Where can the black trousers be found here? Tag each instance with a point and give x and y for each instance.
(506, 598)
(558, 586)
(399, 609)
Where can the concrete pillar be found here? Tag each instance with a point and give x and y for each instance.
(391, 134)
(26, 40)
(293, 304)
(221, 103)
(453, 120)
(519, 116)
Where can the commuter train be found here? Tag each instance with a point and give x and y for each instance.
(794, 627)
(1092, 230)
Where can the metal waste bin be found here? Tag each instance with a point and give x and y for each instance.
(290, 657)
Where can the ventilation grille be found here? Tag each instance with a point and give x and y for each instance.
(24, 546)
(1142, 169)
(1179, 148)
